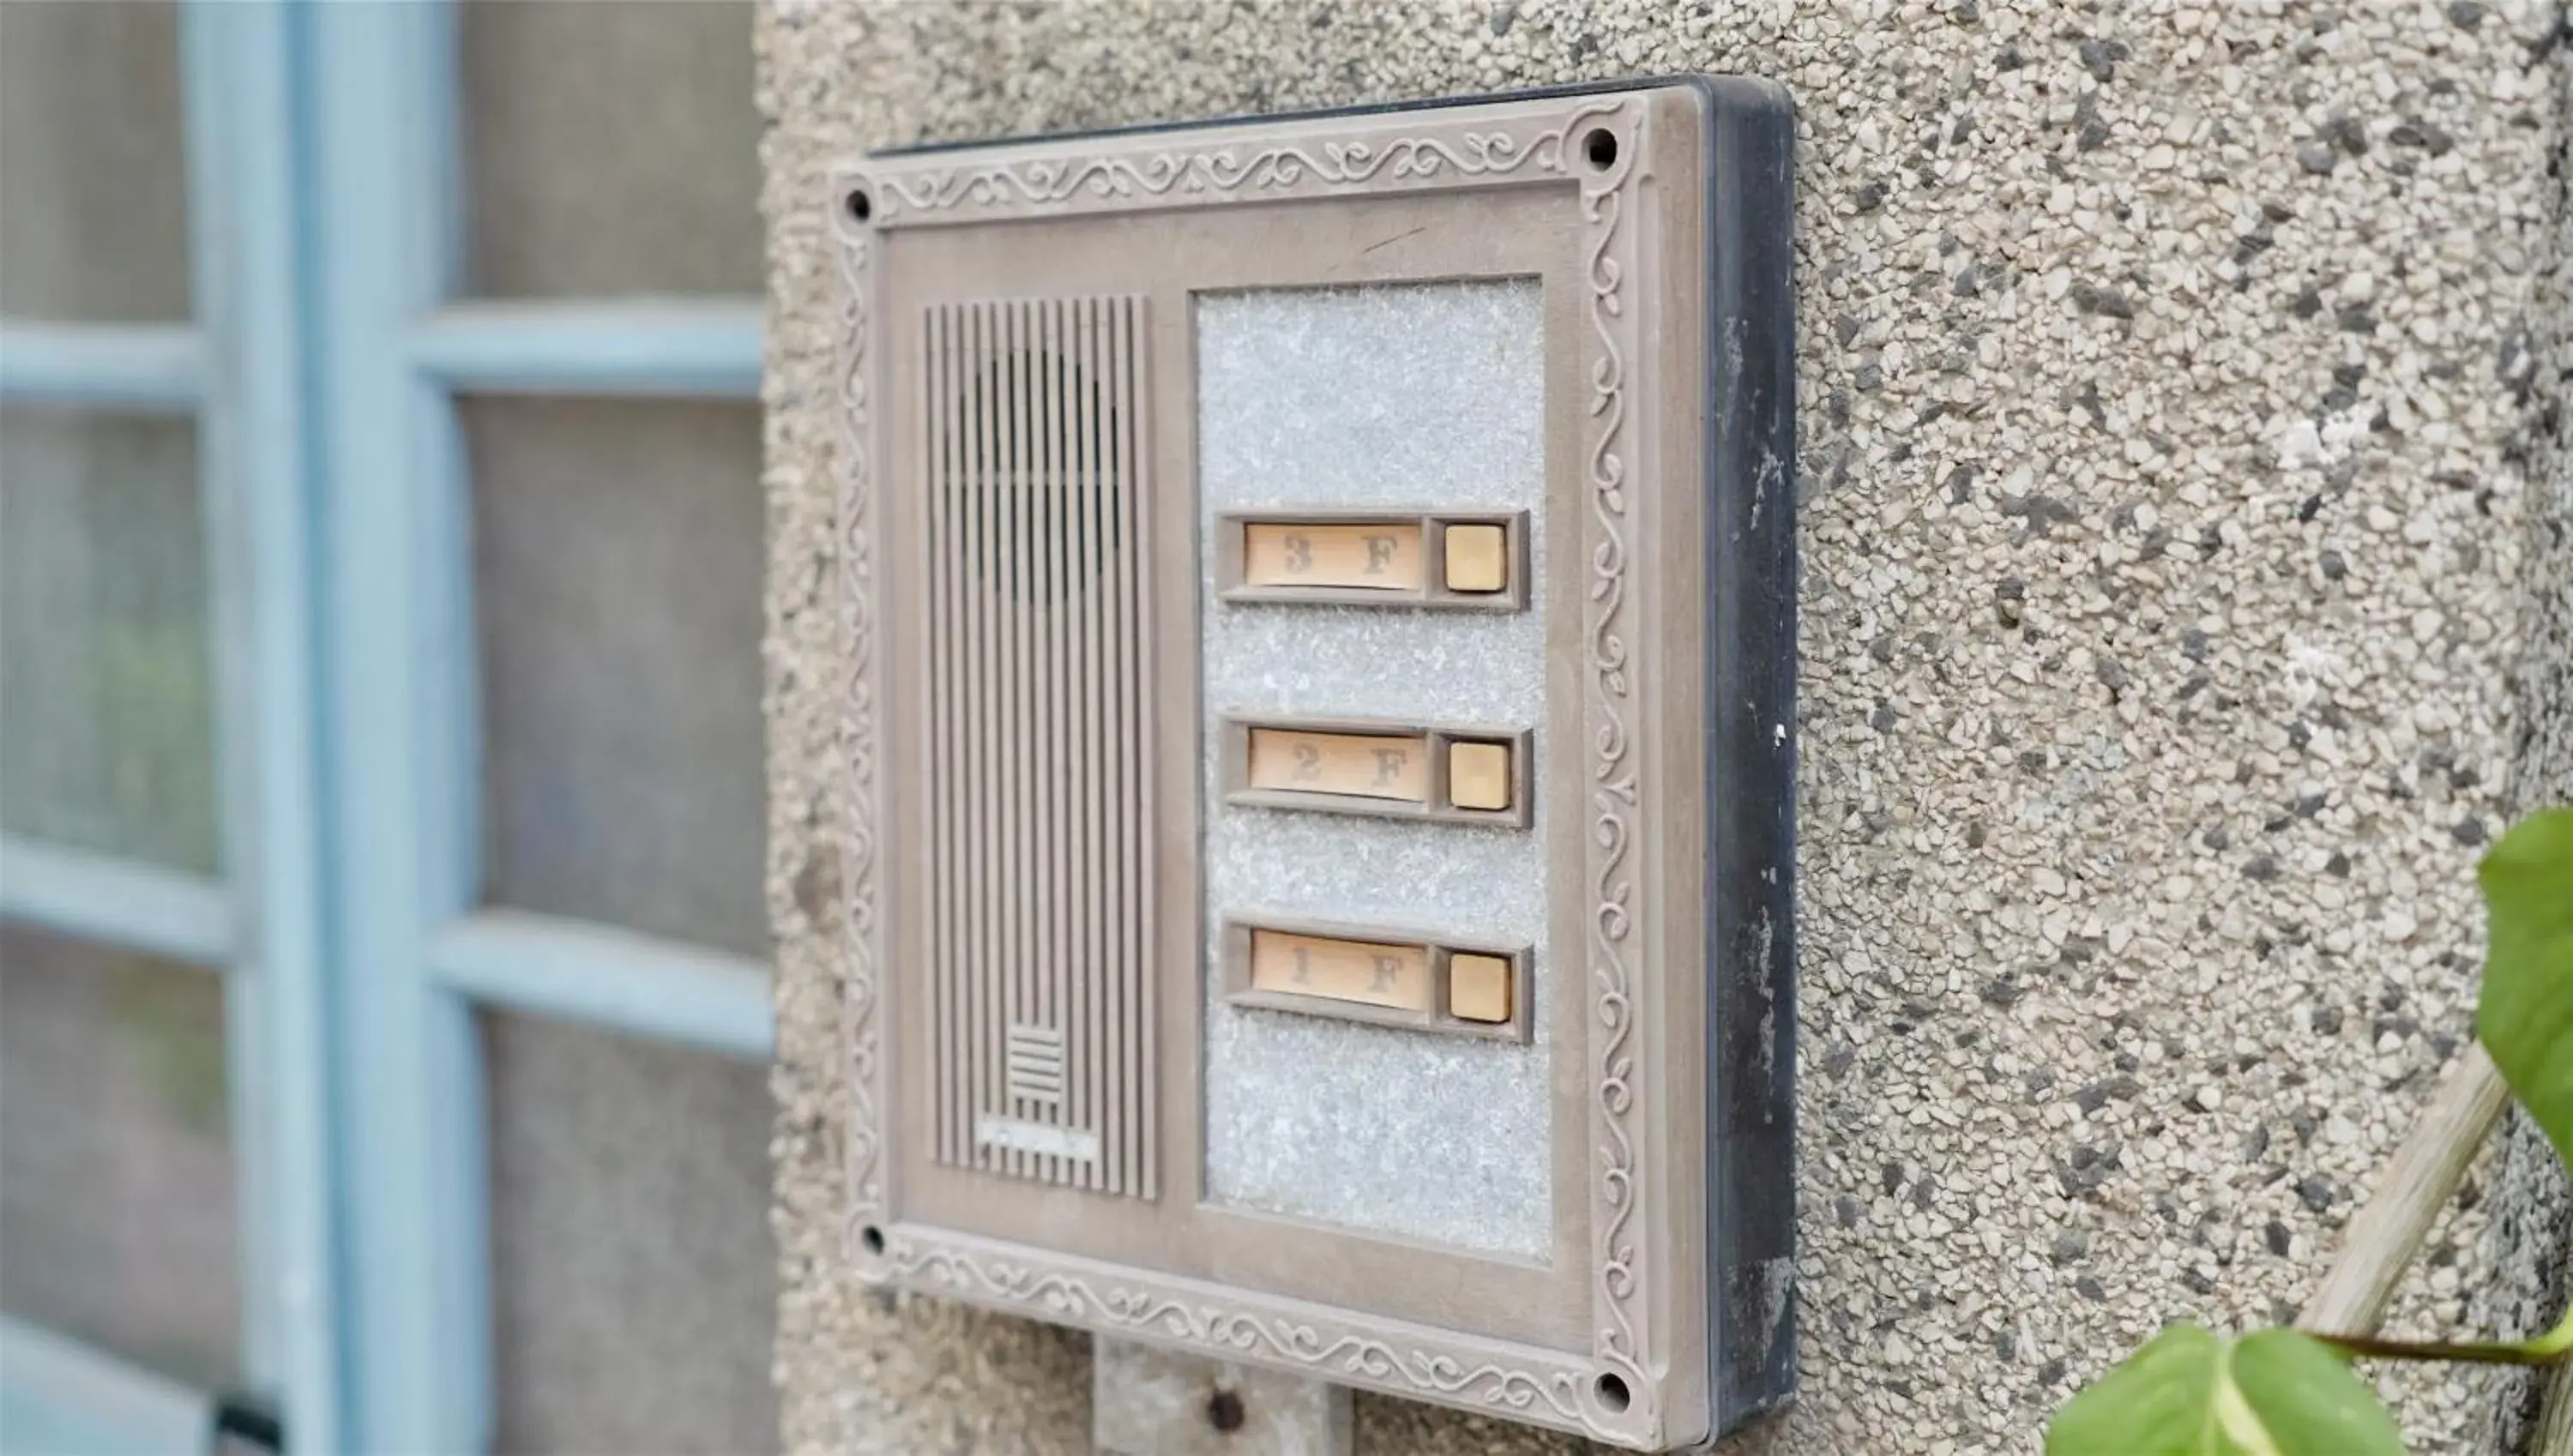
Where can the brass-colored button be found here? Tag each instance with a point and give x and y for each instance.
(1479, 775)
(1478, 988)
(1477, 558)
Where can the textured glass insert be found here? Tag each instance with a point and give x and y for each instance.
(1399, 397)
(116, 1167)
(611, 148)
(93, 175)
(617, 560)
(105, 694)
(633, 1280)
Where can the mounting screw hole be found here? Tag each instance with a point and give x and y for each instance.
(1601, 147)
(861, 207)
(1224, 1412)
(871, 1238)
(1611, 1388)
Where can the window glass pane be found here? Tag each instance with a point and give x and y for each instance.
(93, 178)
(633, 1279)
(618, 549)
(611, 146)
(106, 707)
(116, 1167)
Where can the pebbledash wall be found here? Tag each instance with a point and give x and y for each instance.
(2186, 602)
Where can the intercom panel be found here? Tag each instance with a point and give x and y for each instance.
(1318, 603)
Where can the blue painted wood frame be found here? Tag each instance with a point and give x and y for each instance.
(65, 1399)
(240, 63)
(709, 348)
(128, 366)
(611, 978)
(402, 713)
(237, 368)
(324, 222)
(398, 721)
(120, 902)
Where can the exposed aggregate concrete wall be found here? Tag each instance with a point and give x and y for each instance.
(2532, 1224)
(2174, 382)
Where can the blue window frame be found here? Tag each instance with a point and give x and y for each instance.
(234, 370)
(323, 367)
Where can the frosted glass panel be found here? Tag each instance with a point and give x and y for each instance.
(93, 174)
(106, 705)
(116, 1167)
(633, 1280)
(618, 586)
(611, 146)
(1405, 397)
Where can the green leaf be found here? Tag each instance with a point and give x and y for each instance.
(2155, 1404)
(2303, 1400)
(2525, 1016)
(2190, 1393)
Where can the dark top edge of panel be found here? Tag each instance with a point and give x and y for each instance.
(1713, 85)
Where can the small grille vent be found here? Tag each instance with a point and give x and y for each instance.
(1035, 1066)
(1040, 748)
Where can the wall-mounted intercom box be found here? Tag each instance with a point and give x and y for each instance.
(1320, 625)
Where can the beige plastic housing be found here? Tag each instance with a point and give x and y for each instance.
(1028, 757)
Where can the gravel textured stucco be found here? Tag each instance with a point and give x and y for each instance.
(2531, 1208)
(2173, 378)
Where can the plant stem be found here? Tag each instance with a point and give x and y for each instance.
(2545, 1349)
(2557, 1341)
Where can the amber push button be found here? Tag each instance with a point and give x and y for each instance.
(1477, 558)
(1478, 988)
(1479, 775)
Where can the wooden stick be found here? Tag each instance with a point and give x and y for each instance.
(2554, 1435)
(2389, 1228)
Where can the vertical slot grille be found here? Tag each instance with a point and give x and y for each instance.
(1040, 891)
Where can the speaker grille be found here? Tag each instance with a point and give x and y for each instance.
(1040, 878)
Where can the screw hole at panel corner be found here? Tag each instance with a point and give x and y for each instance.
(1612, 1393)
(872, 1239)
(1224, 1412)
(860, 205)
(1599, 146)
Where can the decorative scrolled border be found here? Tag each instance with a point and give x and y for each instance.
(1164, 172)
(1180, 174)
(854, 539)
(1618, 1255)
(1231, 1323)
(1407, 153)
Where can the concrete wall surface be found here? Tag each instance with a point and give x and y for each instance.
(2177, 384)
(2533, 1218)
